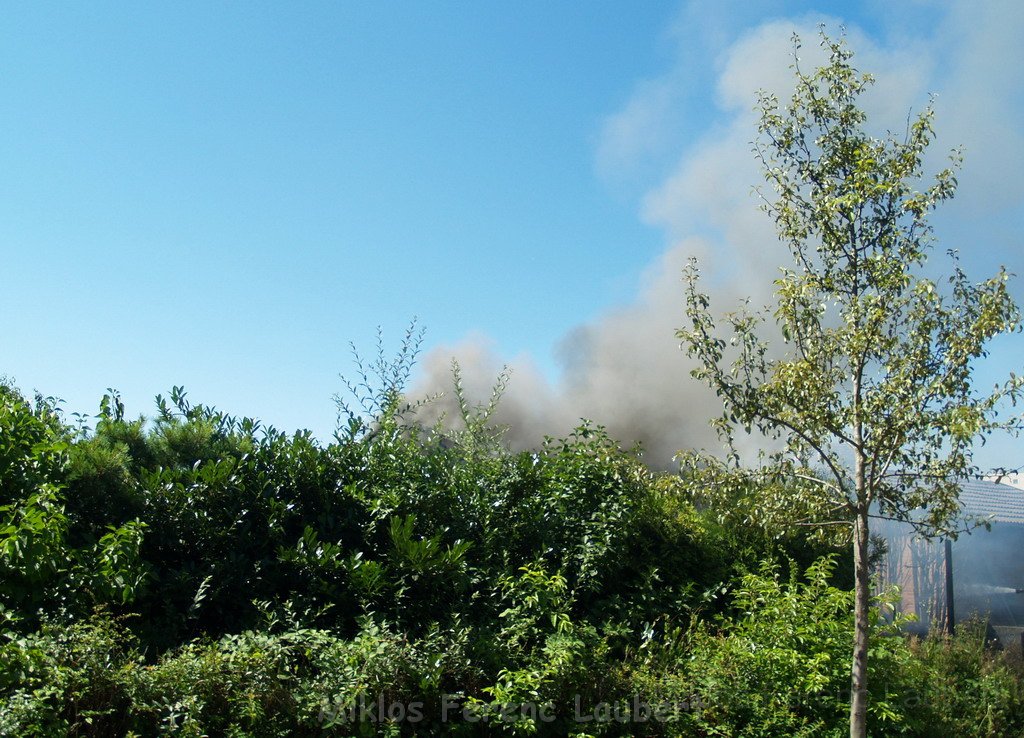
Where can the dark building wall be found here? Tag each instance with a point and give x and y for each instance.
(986, 564)
(987, 567)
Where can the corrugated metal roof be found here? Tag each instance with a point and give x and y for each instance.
(1001, 501)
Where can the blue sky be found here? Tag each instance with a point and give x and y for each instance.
(224, 196)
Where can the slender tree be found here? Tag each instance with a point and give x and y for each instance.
(871, 394)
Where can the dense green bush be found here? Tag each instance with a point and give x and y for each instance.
(397, 521)
(965, 686)
(46, 564)
(199, 574)
(89, 678)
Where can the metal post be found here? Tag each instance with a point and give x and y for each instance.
(950, 617)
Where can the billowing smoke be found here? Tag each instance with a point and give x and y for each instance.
(625, 370)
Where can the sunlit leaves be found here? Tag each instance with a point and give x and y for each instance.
(878, 358)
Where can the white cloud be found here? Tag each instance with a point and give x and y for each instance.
(637, 132)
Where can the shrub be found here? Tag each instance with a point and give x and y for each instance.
(966, 686)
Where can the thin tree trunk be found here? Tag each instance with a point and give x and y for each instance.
(862, 604)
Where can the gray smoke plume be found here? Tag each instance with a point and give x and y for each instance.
(625, 370)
